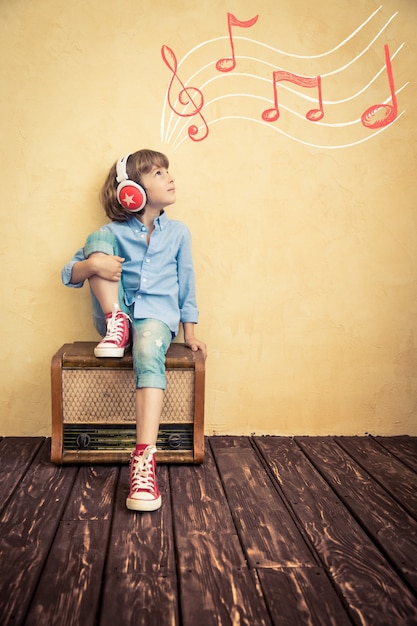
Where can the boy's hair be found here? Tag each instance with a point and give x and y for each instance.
(138, 163)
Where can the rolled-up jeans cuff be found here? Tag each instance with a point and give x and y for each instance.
(100, 241)
(151, 380)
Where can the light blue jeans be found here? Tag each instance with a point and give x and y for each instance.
(151, 338)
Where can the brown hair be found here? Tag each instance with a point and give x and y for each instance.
(138, 163)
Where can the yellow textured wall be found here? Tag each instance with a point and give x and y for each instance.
(305, 250)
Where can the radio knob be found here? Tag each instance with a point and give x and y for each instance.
(174, 441)
(83, 441)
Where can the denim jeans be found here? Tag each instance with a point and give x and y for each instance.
(151, 338)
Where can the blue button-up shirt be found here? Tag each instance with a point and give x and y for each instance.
(158, 279)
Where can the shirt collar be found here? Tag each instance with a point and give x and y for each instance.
(161, 221)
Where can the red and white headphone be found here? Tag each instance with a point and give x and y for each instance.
(130, 195)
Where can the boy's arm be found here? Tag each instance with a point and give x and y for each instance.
(187, 298)
(98, 264)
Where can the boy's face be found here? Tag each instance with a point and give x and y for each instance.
(160, 188)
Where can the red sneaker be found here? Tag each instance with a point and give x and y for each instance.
(144, 493)
(116, 340)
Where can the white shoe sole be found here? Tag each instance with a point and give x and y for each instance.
(109, 352)
(143, 505)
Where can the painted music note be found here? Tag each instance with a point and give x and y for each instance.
(229, 63)
(313, 115)
(187, 96)
(380, 115)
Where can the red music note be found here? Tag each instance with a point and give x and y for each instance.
(314, 115)
(388, 111)
(229, 63)
(186, 96)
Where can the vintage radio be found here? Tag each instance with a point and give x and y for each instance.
(93, 407)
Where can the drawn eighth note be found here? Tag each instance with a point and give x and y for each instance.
(313, 115)
(229, 63)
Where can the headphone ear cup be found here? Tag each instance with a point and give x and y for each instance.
(131, 195)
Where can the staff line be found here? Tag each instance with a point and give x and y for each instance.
(279, 130)
(283, 107)
(273, 65)
(289, 54)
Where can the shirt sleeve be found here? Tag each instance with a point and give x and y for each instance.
(66, 271)
(186, 281)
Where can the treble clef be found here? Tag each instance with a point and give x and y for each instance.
(187, 96)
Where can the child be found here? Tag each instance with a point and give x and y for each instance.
(140, 271)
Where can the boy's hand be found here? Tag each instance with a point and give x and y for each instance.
(107, 266)
(195, 344)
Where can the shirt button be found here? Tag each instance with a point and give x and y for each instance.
(148, 260)
(143, 227)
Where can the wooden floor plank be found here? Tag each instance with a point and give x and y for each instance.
(93, 493)
(73, 571)
(389, 525)
(16, 454)
(27, 529)
(404, 448)
(396, 477)
(198, 498)
(215, 588)
(373, 593)
(140, 574)
(302, 596)
(75, 563)
(216, 585)
(266, 529)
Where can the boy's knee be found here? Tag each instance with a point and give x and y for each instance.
(149, 347)
(151, 341)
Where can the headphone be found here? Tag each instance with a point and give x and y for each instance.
(130, 195)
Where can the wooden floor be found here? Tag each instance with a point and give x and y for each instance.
(268, 530)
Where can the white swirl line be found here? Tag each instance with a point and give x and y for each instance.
(288, 54)
(285, 108)
(285, 87)
(305, 143)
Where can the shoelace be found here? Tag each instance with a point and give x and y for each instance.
(115, 327)
(143, 476)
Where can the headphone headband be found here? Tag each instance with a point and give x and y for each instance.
(121, 171)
